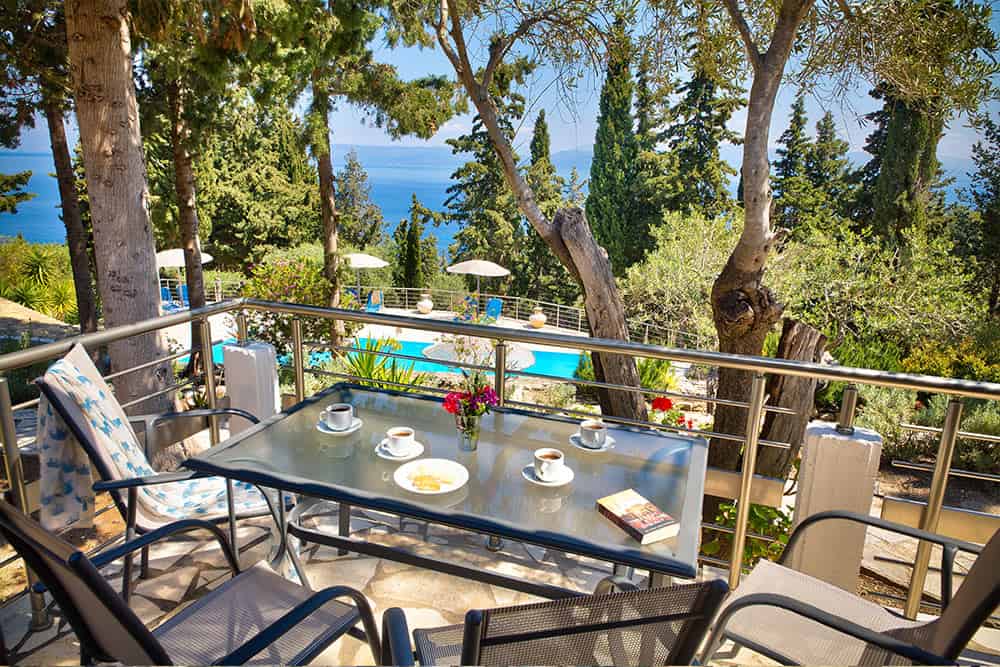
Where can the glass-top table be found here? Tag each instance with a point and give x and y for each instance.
(288, 452)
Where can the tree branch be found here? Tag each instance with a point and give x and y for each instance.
(846, 8)
(441, 30)
(753, 51)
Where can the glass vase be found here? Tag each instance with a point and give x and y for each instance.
(468, 432)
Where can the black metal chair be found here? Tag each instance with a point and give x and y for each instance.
(618, 625)
(255, 617)
(796, 619)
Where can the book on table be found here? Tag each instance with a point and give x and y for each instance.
(638, 517)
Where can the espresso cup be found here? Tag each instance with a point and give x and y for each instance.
(339, 416)
(593, 433)
(549, 464)
(399, 440)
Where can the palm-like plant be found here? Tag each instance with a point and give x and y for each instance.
(42, 264)
(378, 370)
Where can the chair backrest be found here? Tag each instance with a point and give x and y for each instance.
(976, 599)
(78, 393)
(184, 294)
(165, 295)
(107, 629)
(374, 300)
(494, 307)
(661, 626)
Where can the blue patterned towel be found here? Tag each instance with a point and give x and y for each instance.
(66, 484)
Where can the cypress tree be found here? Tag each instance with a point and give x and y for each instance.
(795, 195)
(985, 194)
(615, 150)
(416, 254)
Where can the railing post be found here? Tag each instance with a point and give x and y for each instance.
(500, 372)
(241, 327)
(579, 320)
(845, 422)
(755, 408)
(218, 289)
(298, 366)
(557, 314)
(15, 478)
(935, 498)
(517, 307)
(209, 363)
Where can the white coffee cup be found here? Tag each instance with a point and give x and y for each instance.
(593, 433)
(399, 440)
(549, 464)
(339, 416)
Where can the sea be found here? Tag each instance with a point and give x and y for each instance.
(395, 174)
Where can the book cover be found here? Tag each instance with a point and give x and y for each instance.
(638, 517)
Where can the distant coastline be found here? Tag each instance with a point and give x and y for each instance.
(395, 173)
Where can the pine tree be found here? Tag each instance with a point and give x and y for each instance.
(985, 194)
(361, 219)
(829, 168)
(612, 171)
(698, 130)
(794, 193)
(480, 201)
(12, 191)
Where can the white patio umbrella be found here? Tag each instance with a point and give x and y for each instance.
(359, 260)
(478, 268)
(174, 258)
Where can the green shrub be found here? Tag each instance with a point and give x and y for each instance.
(657, 374)
(293, 275)
(763, 520)
(965, 359)
(21, 380)
(378, 370)
(882, 410)
(981, 417)
(877, 354)
(38, 276)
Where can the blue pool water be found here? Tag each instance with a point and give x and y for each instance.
(554, 364)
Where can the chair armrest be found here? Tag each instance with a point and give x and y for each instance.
(149, 480)
(300, 612)
(177, 527)
(950, 545)
(837, 623)
(205, 412)
(396, 646)
(615, 584)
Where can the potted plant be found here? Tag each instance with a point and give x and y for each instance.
(537, 318)
(469, 405)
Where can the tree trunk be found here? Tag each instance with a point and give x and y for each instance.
(187, 217)
(76, 235)
(568, 236)
(803, 343)
(742, 308)
(107, 116)
(328, 207)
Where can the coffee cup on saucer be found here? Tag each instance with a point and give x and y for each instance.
(399, 440)
(593, 433)
(549, 464)
(338, 417)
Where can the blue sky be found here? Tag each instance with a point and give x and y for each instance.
(573, 123)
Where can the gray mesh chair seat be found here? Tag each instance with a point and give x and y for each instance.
(255, 617)
(659, 626)
(797, 619)
(242, 608)
(800, 640)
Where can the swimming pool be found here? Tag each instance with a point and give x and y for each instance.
(554, 364)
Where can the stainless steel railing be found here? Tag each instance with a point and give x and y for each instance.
(756, 407)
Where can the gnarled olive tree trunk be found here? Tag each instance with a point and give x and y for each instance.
(107, 116)
(322, 151)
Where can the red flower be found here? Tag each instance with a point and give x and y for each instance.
(680, 420)
(662, 403)
(453, 402)
(690, 423)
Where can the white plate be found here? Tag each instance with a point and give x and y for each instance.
(574, 440)
(452, 474)
(528, 472)
(356, 423)
(382, 452)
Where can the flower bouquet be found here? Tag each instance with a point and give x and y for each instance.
(468, 405)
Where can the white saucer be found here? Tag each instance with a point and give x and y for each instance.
(383, 453)
(528, 472)
(574, 440)
(355, 425)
